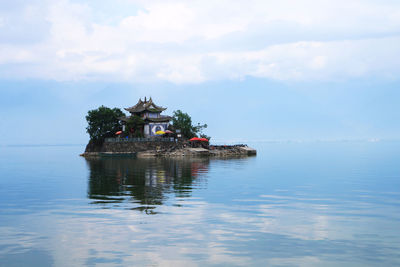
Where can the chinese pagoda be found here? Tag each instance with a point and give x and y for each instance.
(151, 115)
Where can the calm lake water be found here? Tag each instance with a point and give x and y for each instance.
(309, 204)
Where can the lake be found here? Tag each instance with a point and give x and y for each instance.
(294, 204)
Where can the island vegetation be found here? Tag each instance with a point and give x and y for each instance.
(146, 131)
(183, 121)
(104, 122)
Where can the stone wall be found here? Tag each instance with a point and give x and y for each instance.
(133, 146)
(166, 149)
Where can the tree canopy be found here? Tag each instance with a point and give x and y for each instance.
(103, 122)
(134, 126)
(183, 121)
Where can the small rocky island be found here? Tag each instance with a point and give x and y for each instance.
(147, 133)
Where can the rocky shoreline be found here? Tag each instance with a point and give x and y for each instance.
(162, 149)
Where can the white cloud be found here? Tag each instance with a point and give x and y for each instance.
(196, 41)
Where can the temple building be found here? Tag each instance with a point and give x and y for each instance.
(151, 114)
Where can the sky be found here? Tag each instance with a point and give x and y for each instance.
(252, 70)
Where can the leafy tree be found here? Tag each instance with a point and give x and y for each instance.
(205, 136)
(183, 121)
(199, 131)
(103, 122)
(134, 126)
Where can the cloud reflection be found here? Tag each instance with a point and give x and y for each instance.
(253, 213)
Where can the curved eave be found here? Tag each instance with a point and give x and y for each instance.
(162, 119)
(138, 110)
(135, 110)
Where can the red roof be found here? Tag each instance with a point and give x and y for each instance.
(199, 139)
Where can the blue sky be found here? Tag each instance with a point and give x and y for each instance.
(293, 70)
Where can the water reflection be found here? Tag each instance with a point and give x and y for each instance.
(285, 207)
(144, 182)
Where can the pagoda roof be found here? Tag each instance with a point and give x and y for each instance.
(160, 119)
(145, 106)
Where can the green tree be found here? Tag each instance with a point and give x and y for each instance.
(103, 122)
(134, 125)
(183, 121)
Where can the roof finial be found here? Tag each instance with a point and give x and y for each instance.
(145, 100)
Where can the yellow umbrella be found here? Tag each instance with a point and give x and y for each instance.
(160, 132)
